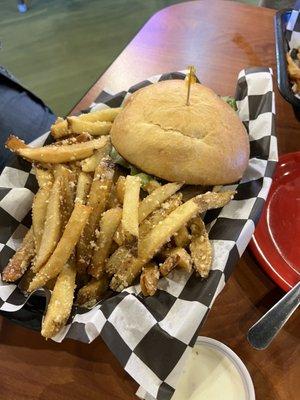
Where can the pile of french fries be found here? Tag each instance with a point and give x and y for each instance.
(94, 227)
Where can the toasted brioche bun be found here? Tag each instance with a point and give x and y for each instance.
(204, 143)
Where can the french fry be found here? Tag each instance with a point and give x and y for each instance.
(108, 225)
(119, 236)
(184, 259)
(52, 226)
(39, 212)
(182, 238)
(91, 293)
(90, 164)
(83, 187)
(120, 188)
(64, 247)
(14, 144)
(77, 125)
(60, 305)
(113, 201)
(158, 215)
(75, 168)
(67, 191)
(126, 274)
(62, 170)
(62, 142)
(108, 114)
(152, 185)
(60, 128)
(43, 176)
(149, 279)
(118, 260)
(150, 244)
(19, 263)
(169, 264)
(43, 166)
(200, 248)
(98, 197)
(161, 233)
(61, 154)
(83, 137)
(155, 198)
(130, 214)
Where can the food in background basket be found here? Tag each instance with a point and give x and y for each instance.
(293, 60)
(99, 222)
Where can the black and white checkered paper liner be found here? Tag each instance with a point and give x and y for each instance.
(151, 336)
(293, 27)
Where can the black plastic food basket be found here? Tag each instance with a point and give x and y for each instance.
(282, 47)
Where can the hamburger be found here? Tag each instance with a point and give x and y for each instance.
(203, 143)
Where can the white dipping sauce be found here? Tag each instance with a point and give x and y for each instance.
(209, 375)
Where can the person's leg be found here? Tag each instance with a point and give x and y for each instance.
(21, 113)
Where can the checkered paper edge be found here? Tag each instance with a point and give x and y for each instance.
(151, 337)
(293, 28)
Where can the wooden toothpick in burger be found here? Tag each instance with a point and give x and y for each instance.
(190, 79)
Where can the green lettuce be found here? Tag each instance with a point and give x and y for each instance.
(118, 159)
(230, 101)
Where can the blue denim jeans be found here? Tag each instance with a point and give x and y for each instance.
(21, 113)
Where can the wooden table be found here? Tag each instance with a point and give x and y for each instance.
(219, 38)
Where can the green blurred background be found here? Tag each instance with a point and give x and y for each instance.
(58, 48)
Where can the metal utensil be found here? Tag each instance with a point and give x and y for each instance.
(261, 334)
